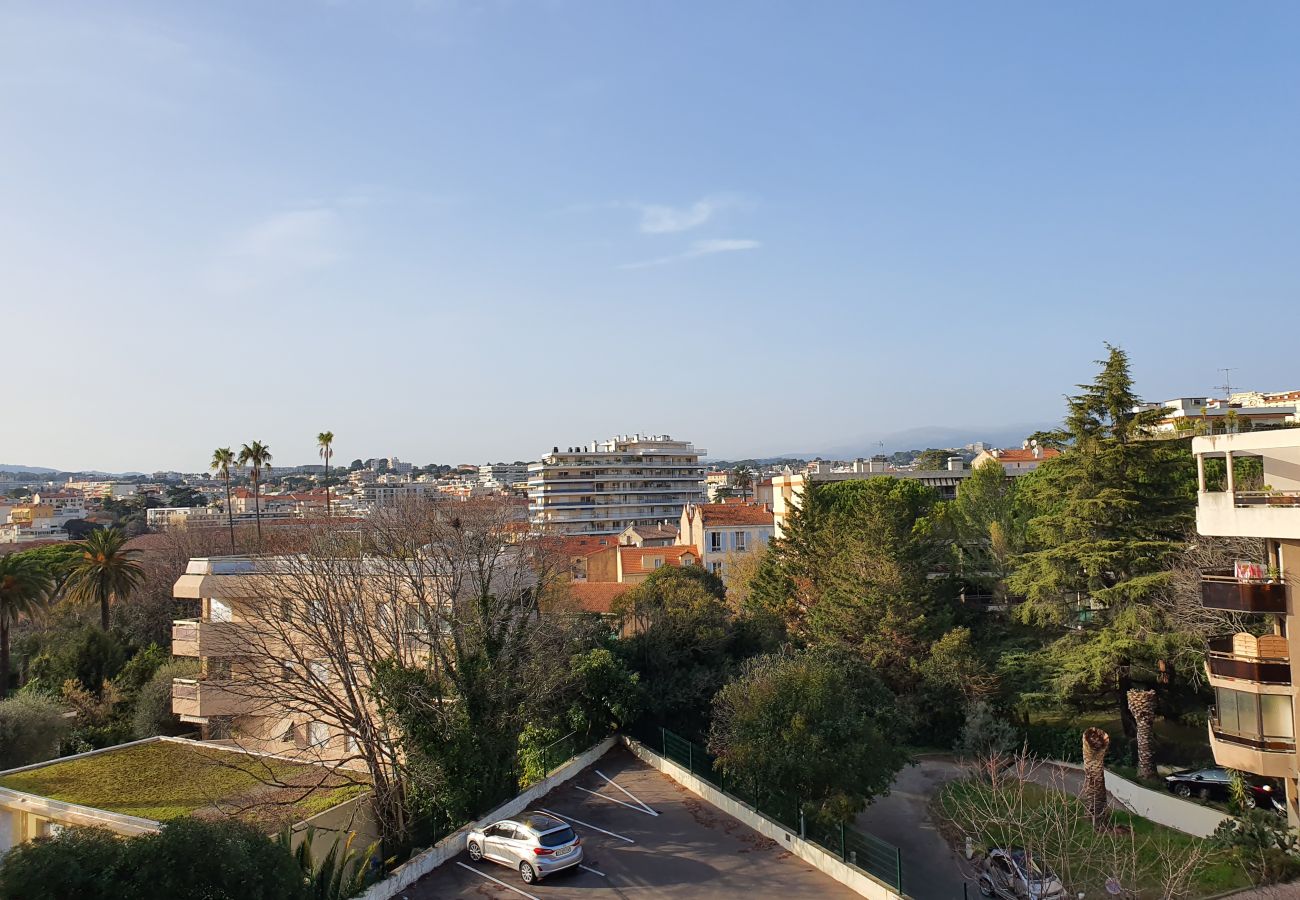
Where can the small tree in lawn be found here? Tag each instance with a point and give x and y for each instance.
(1095, 744)
(1143, 706)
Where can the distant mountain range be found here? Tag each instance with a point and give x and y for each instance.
(46, 470)
(937, 436)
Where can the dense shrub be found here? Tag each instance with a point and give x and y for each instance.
(985, 733)
(188, 858)
(153, 703)
(79, 864)
(31, 727)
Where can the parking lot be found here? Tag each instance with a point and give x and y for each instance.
(688, 849)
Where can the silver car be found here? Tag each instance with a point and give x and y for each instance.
(533, 844)
(1013, 875)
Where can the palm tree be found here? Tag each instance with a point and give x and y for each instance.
(324, 440)
(744, 479)
(222, 459)
(1143, 706)
(257, 456)
(106, 570)
(25, 586)
(1095, 744)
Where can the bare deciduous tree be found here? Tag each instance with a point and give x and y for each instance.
(1016, 802)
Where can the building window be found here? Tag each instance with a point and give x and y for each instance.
(741, 538)
(659, 562)
(715, 541)
(716, 568)
(318, 734)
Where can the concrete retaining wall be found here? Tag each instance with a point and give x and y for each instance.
(1163, 808)
(809, 852)
(453, 844)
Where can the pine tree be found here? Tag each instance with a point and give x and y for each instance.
(1111, 510)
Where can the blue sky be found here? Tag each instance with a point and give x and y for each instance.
(462, 231)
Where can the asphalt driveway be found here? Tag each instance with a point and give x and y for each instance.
(688, 850)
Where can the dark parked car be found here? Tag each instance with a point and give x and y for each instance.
(1216, 784)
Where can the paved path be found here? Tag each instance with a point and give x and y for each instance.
(931, 870)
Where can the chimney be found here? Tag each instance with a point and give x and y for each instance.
(956, 464)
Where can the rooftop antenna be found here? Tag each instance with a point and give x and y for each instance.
(1226, 387)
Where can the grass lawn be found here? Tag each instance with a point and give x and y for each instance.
(1082, 857)
(165, 780)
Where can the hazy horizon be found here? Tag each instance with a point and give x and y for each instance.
(461, 232)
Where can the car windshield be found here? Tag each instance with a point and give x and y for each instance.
(556, 838)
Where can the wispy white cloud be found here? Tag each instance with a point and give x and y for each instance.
(660, 219)
(279, 246)
(696, 250)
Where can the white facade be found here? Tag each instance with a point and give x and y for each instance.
(606, 486)
(502, 476)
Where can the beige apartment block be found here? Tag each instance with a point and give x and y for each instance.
(278, 638)
(1252, 726)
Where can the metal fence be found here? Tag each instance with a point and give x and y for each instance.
(867, 852)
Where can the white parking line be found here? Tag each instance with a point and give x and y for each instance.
(619, 802)
(626, 791)
(508, 887)
(588, 825)
(591, 870)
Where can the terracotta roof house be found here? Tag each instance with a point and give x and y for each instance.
(716, 530)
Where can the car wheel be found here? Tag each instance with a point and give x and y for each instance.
(986, 888)
(527, 873)
(1249, 801)
(475, 851)
(1183, 790)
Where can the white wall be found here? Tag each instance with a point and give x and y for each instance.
(1163, 808)
(453, 844)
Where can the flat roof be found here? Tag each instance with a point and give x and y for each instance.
(169, 778)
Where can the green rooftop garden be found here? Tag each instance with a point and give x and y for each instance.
(164, 780)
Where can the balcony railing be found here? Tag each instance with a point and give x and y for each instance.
(1243, 657)
(199, 699)
(1267, 498)
(1253, 739)
(1220, 589)
(200, 637)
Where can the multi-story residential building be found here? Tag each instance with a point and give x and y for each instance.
(605, 486)
(716, 530)
(279, 649)
(1208, 415)
(1253, 724)
(787, 489)
(102, 490)
(502, 476)
(379, 493)
(185, 516)
(1265, 398)
(716, 481)
(1016, 462)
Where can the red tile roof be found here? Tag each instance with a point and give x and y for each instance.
(735, 514)
(597, 597)
(580, 544)
(634, 558)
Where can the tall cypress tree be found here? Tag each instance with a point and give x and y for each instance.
(1111, 510)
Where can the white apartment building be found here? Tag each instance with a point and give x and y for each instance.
(185, 516)
(1255, 672)
(605, 486)
(1209, 415)
(502, 476)
(102, 490)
